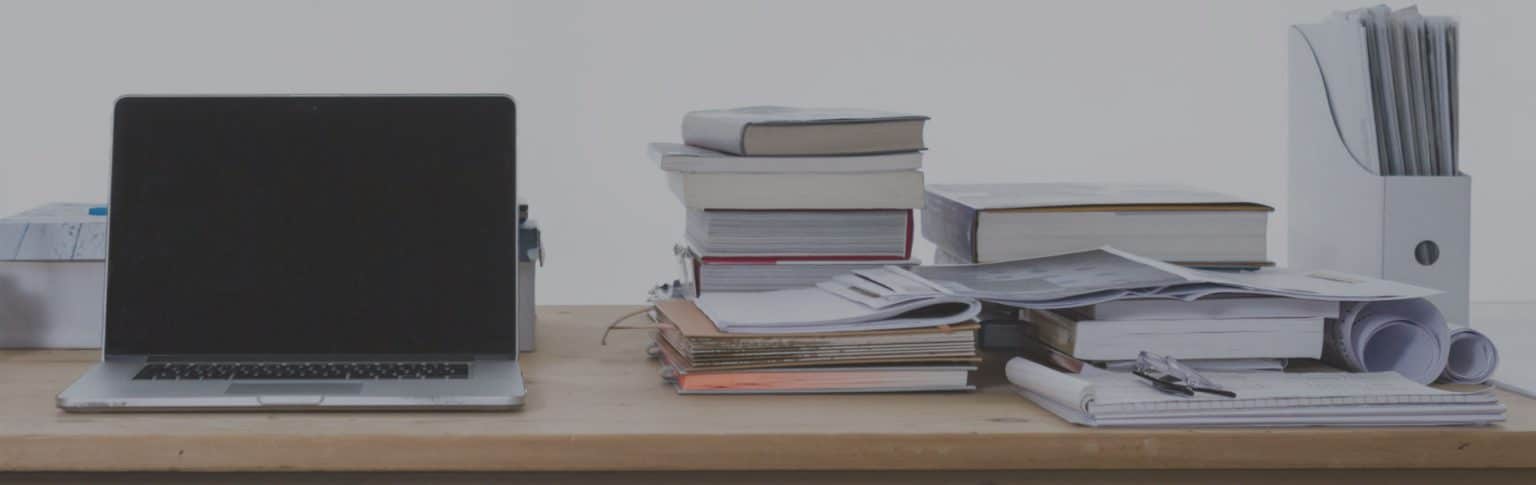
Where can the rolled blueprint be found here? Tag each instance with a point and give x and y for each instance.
(1472, 358)
(1407, 336)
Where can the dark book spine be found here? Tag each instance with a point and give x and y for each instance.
(950, 225)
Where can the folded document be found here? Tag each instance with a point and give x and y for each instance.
(1096, 276)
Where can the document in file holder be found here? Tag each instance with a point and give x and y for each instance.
(1391, 79)
(1375, 185)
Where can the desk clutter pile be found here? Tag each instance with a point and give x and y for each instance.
(779, 198)
(798, 279)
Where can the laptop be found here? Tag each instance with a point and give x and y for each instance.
(309, 252)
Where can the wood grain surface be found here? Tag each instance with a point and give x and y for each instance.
(597, 408)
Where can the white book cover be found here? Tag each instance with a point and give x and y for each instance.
(1107, 340)
(1048, 195)
(837, 130)
(677, 157)
(877, 190)
(1212, 308)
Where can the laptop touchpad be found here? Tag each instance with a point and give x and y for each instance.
(334, 389)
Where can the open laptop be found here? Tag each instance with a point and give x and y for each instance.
(310, 252)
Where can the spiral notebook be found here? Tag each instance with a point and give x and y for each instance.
(1102, 398)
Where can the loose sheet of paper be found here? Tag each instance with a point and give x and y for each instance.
(1096, 276)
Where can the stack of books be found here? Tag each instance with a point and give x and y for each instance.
(782, 199)
(787, 197)
(698, 358)
(1214, 331)
(989, 223)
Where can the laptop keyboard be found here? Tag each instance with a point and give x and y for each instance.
(302, 370)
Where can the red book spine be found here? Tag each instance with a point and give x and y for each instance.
(908, 253)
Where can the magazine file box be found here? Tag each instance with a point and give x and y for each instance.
(1413, 229)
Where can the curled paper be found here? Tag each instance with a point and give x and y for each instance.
(1472, 358)
(1406, 336)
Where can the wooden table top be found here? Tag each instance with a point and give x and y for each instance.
(594, 407)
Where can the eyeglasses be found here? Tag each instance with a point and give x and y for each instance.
(1172, 377)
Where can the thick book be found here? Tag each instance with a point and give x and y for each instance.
(1230, 338)
(757, 273)
(790, 191)
(983, 223)
(1211, 307)
(804, 234)
(675, 157)
(779, 130)
(700, 345)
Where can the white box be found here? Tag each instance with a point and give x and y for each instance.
(1413, 229)
(52, 304)
(53, 277)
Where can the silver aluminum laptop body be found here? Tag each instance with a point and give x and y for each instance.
(494, 383)
(490, 380)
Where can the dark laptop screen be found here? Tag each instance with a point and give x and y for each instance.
(312, 225)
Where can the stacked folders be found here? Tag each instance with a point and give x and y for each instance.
(785, 197)
(1394, 93)
(698, 357)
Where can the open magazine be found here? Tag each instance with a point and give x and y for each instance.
(1099, 275)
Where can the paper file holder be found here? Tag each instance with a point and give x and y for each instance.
(1413, 229)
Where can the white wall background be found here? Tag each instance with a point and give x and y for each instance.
(1187, 91)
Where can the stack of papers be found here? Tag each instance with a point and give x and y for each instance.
(698, 358)
(891, 297)
(701, 346)
(1096, 276)
(1386, 326)
(1099, 398)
